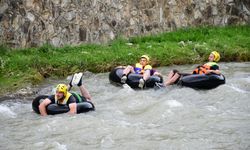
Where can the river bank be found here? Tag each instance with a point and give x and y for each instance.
(30, 66)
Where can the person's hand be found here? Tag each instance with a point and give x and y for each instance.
(209, 71)
(72, 108)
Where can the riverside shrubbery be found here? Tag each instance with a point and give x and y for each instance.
(184, 46)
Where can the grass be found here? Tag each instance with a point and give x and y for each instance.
(19, 67)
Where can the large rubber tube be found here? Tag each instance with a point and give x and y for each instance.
(202, 81)
(36, 102)
(53, 109)
(133, 79)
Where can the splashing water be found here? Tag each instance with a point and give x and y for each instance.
(170, 118)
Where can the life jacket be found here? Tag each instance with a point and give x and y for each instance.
(203, 69)
(139, 69)
(65, 100)
(78, 98)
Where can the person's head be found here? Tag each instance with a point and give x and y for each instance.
(144, 60)
(214, 56)
(61, 91)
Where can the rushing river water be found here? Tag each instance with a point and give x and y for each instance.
(170, 118)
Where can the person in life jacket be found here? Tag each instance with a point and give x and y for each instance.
(62, 95)
(210, 67)
(142, 68)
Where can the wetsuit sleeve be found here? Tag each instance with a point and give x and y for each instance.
(214, 67)
(52, 98)
(147, 67)
(71, 100)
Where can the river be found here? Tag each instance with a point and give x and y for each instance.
(169, 118)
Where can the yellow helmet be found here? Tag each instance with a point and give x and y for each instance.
(62, 88)
(216, 56)
(146, 57)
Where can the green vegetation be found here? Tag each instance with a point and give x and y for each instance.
(19, 67)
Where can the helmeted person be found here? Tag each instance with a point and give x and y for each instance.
(210, 67)
(62, 96)
(143, 68)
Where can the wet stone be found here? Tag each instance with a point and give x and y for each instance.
(101, 21)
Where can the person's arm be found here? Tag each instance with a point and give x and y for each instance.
(72, 105)
(156, 73)
(213, 71)
(43, 105)
(72, 108)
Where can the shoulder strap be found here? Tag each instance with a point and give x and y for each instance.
(77, 96)
(211, 63)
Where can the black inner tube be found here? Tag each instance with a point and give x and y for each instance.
(197, 81)
(53, 109)
(133, 79)
(36, 102)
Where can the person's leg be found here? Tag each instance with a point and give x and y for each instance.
(126, 71)
(69, 87)
(145, 77)
(74, 80)
(77, 80)
(172, 77)
(85, 92)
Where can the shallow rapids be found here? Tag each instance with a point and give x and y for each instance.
(169, 118)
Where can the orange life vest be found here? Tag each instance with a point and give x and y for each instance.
(203, 69)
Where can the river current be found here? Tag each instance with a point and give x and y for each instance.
(170, 118)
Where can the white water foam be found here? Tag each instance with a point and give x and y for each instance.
(59, 146)
(211, 108)
(107, 141)
(237, 89)
(174, 103)
(5, 111)
(128, 88)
